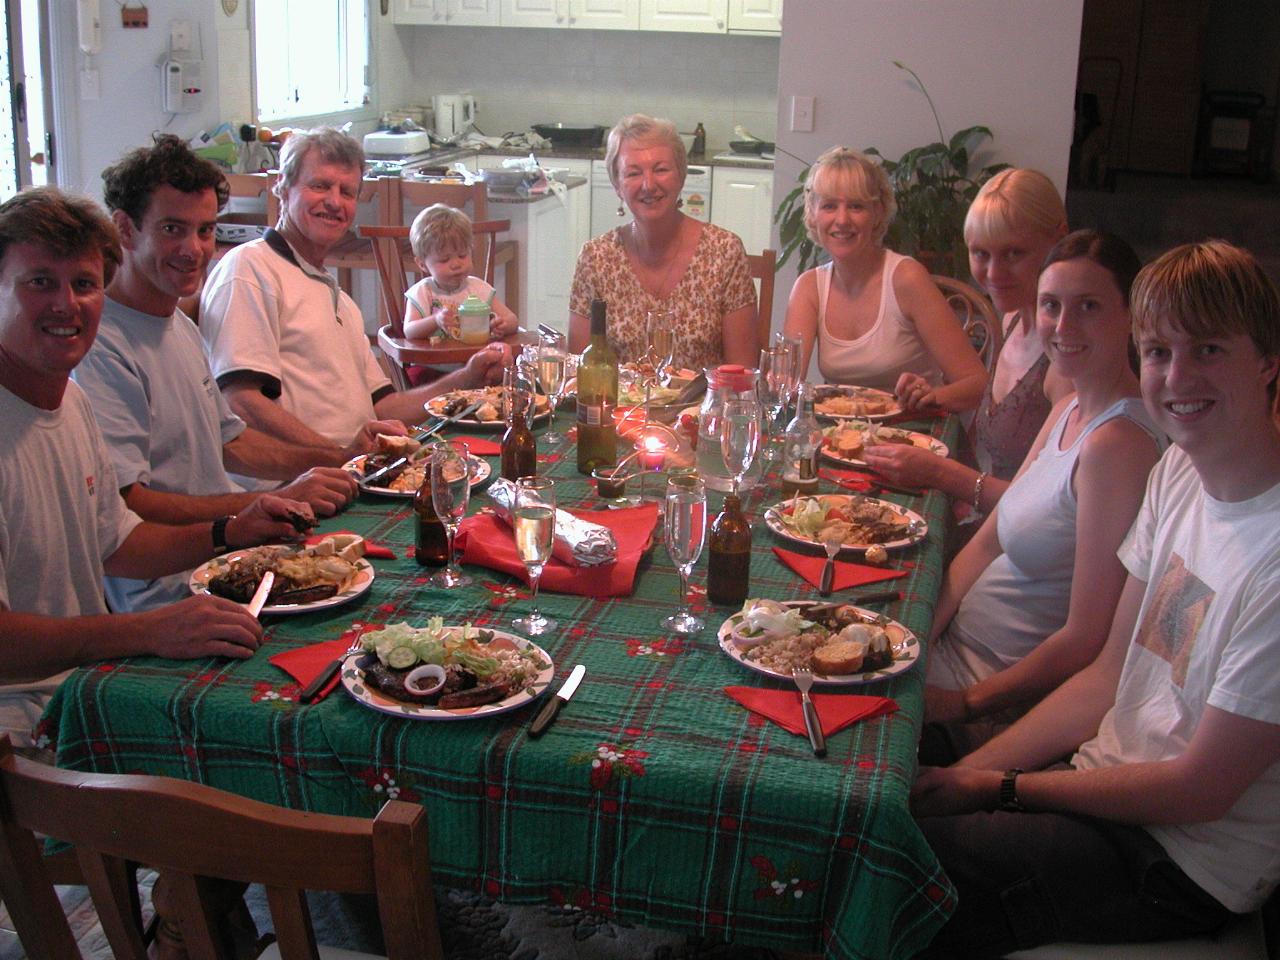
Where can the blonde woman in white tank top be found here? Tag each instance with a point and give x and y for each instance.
(878, 318)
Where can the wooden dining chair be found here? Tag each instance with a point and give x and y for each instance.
(976, 314)
(194, 833)
(395, 265)
(762, 269)
(353, 252)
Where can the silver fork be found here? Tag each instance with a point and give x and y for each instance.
(322, 681)
(804, 680)
(832, 544)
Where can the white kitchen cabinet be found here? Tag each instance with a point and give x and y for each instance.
(755, 16)
(742, 201)
(548, 234)
(685, 16)
(577, 14)
(458, 13)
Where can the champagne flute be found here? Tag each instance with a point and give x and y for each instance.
(450, 491)
(660, 334)
(685, 525)
(794, 352)
(774, 370)
(552, 358)
(739, 437)
(533, 517)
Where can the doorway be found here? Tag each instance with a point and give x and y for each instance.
(25, 144)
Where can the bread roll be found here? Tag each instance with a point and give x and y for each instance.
(397, 446)
(843, 656)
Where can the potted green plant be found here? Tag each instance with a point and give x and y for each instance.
(933, 189)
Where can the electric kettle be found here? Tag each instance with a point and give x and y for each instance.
(454, 114)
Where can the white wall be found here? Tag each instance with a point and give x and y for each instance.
(1007, 64)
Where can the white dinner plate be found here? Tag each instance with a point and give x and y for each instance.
(857, 392)
(353, 680)
(480, 472)
(921, 440)
(358, 584)
(916, 530)
(435, 406)
(906, 651)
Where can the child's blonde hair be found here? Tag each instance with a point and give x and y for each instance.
(439, 227)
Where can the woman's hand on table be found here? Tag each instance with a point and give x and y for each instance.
(914, 392)
(267, 519)
(325, 489)
(946, 791)
(203, 626)
(905, 466)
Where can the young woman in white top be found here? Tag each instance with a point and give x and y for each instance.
(1028, 602)
(1010, 228)
(877, 317)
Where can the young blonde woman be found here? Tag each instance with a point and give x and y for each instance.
(877, 317)
(1028, 601)
(1010, 228)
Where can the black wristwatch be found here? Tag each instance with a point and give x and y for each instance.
(1009, 792)
(219, 533)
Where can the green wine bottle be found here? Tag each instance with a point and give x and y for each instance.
(597, 397)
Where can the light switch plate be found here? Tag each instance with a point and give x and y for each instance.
(802, 114)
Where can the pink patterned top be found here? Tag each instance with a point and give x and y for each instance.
(716, 283)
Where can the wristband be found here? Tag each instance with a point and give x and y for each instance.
(1009, 801)
(219, 533)
(976, 502)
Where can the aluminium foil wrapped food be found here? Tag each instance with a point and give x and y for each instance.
(578, 542)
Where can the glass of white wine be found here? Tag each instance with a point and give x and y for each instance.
(551, 363)
(775, 371)
(739, 438)
(450, 493)
(533, 517)
(660, 334)
(685, 526)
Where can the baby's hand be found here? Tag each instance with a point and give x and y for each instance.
(500, 329)
(446, 317)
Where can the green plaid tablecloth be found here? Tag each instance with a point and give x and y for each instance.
(654, 797)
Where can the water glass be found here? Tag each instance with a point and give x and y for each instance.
(533, 518)
(685, 526)
(739, 438)
(450, 492)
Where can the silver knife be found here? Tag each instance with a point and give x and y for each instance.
(371, 479)
(260, 595)
(437, 427)
(553, 705)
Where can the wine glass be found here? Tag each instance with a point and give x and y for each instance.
(660, 335)
(450, 491)
(533, 517)
(685, 526)
(552, 358)
(739, 437)
(794, 354)
(775, 367)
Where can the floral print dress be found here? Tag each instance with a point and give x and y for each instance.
(716, 283)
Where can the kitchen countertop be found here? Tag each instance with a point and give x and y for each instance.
(715, 158)
(510, 196)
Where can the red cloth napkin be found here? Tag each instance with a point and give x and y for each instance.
(304, 664)
(847, 574)
(371, 549)
(480, 446)
(835, 710)
(487, 541)
(849, 479)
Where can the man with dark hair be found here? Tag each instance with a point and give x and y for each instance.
(287, 345)
(62, 519)
(171, 435)
(1165, 821)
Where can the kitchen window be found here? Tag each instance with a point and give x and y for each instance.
(310, 57)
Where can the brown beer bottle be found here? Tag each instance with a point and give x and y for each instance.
(729, 554)
(430, 542)
(519, 446)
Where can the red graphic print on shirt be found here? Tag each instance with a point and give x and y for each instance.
(1173, 619)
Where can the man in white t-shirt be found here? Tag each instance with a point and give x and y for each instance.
(62, 520)
(1167, 819)
(286, 344)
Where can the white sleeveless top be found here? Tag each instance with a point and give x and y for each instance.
(891, 347)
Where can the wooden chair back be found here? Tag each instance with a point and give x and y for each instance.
(762, 269)
(253, 185)
(353, 252)
(410, 196)
(976, 314)
(191, 833)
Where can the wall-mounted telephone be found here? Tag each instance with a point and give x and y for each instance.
(89, 26)
(180, 86)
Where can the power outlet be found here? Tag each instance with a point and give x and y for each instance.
(802, 114)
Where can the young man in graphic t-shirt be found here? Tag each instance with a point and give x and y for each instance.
(1167, 819)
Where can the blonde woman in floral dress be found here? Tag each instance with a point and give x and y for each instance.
(696, 273)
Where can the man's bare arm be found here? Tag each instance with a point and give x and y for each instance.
(262, 413)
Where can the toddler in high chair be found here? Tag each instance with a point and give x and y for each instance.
(441, 239)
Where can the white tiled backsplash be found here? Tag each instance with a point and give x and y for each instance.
(524, 76)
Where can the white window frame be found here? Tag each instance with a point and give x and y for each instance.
(358, 87)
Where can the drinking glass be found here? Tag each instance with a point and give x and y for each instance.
(660, 335)
(794, 354)
(685, 525)
(552, 358)
(450, 491)
(533, 517)
(739, 437)
(775, 367)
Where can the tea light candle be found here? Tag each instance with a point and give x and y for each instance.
(611, 482)
(653, 452)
